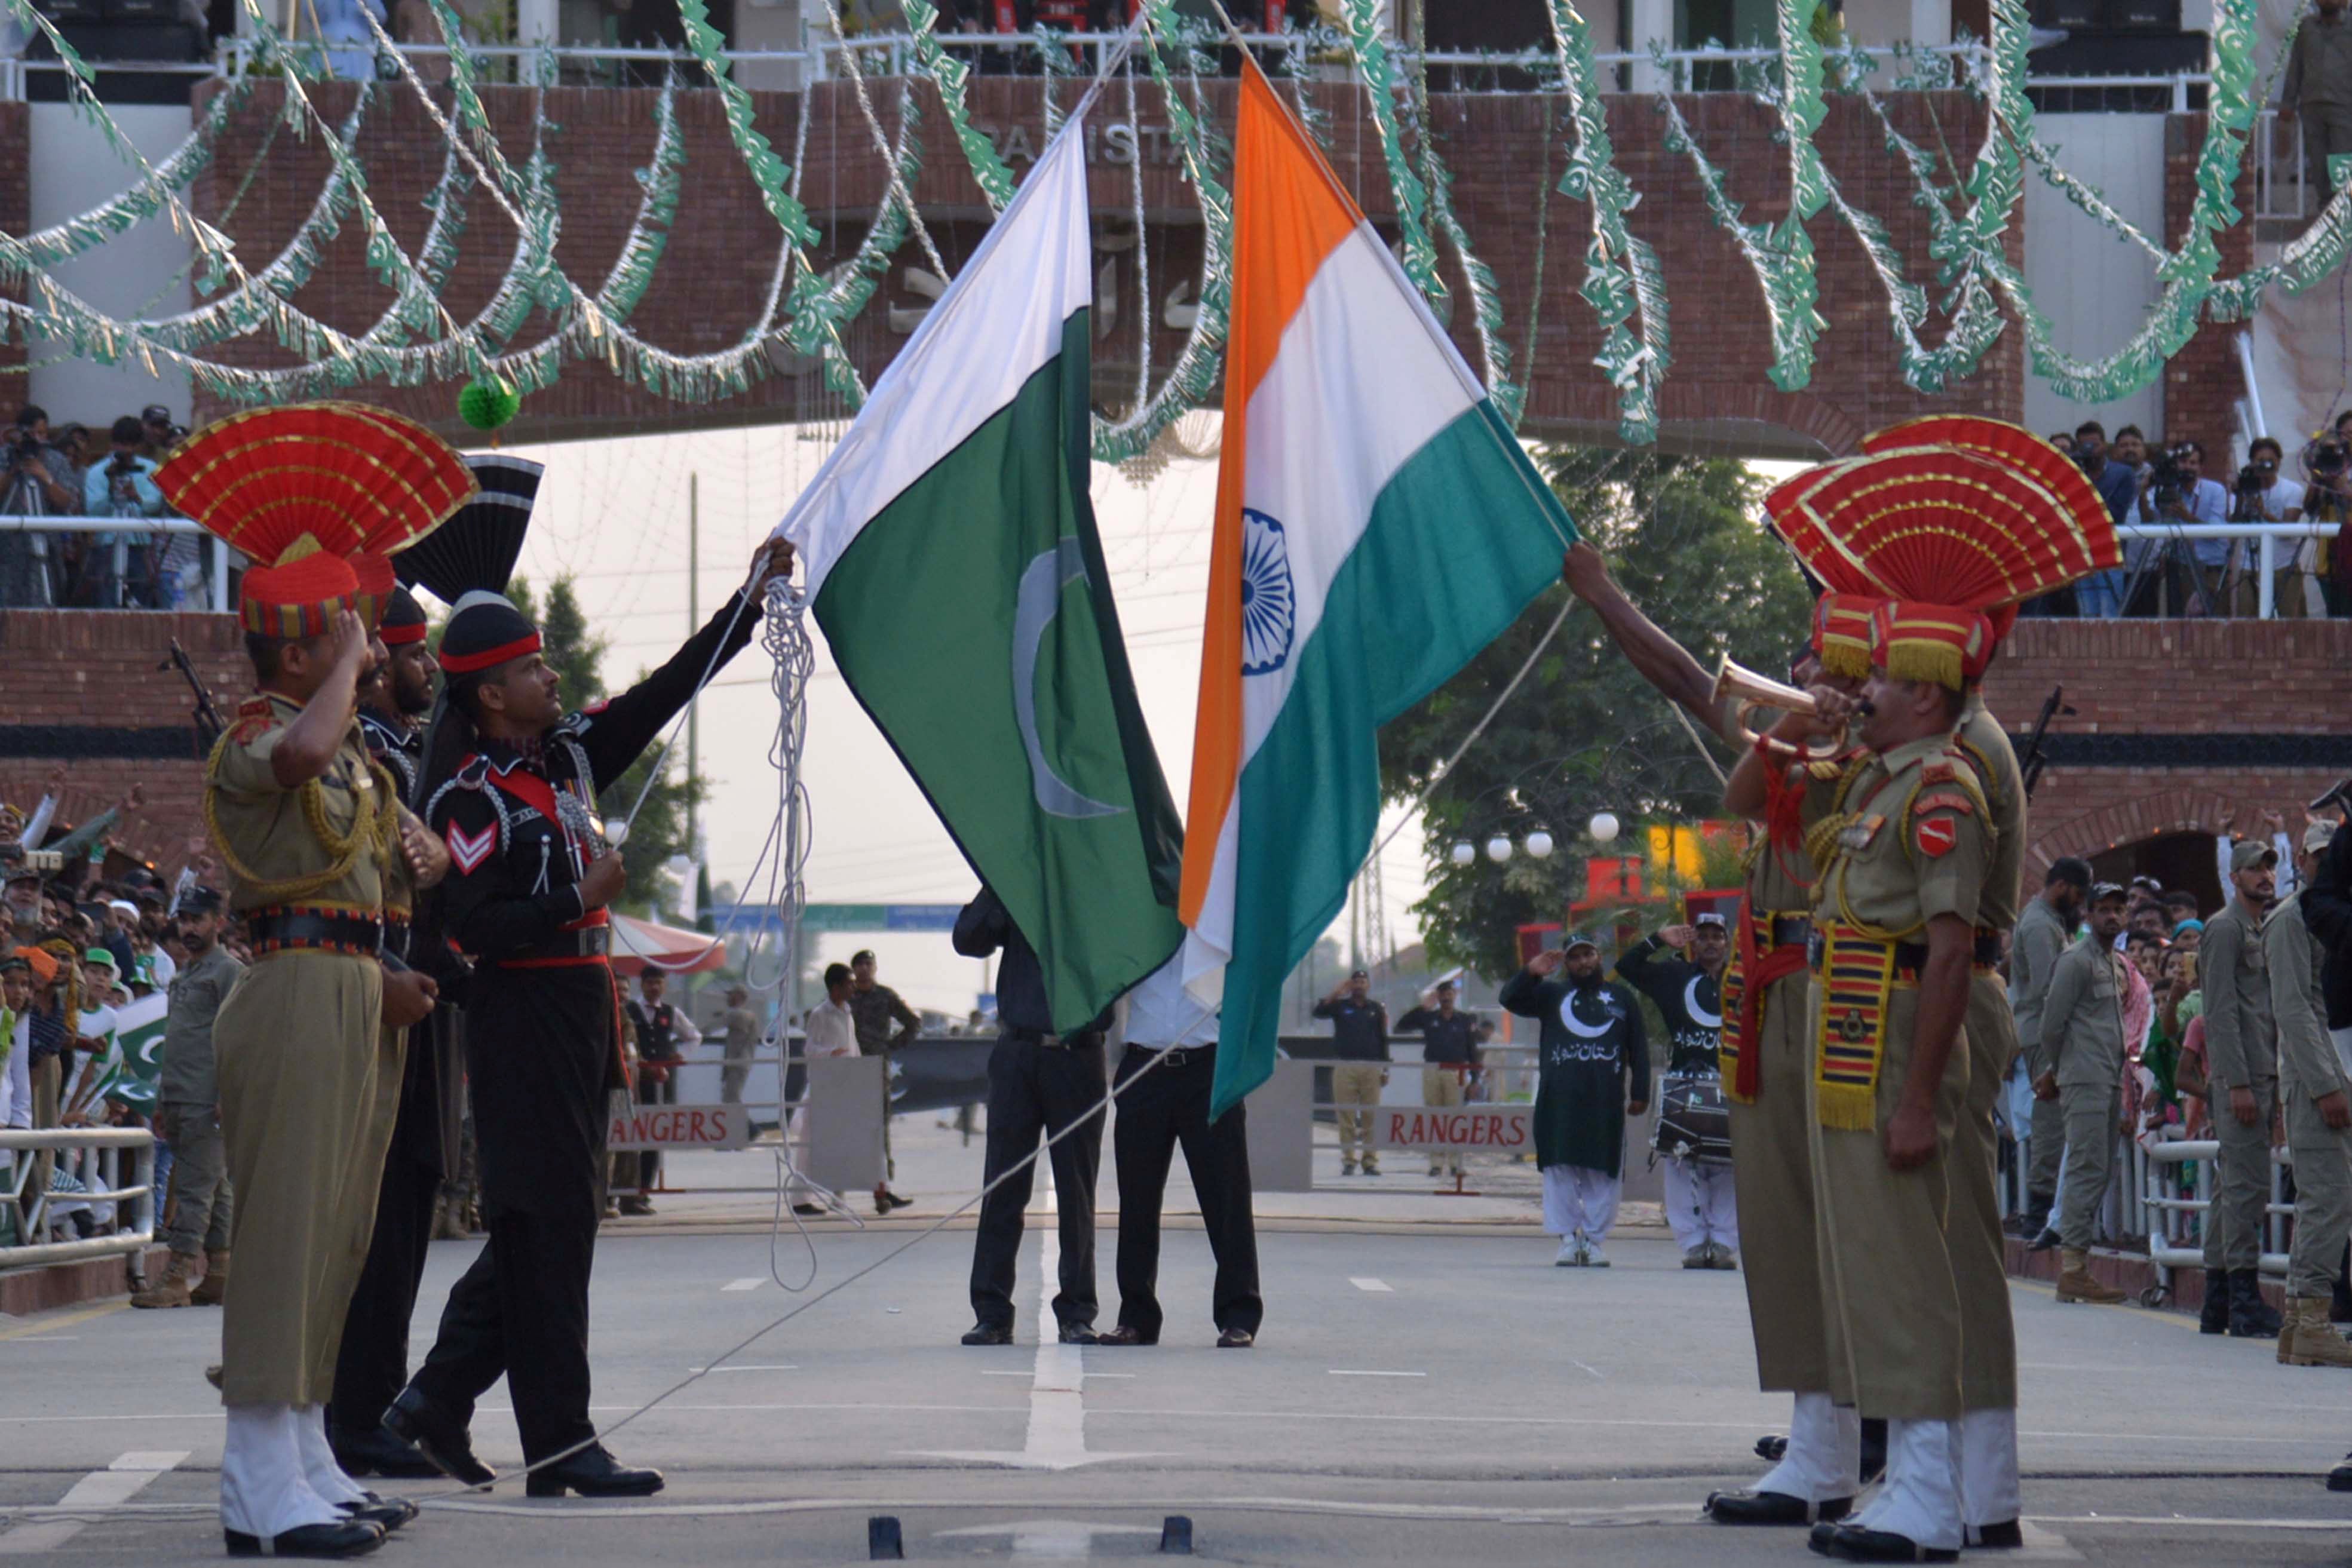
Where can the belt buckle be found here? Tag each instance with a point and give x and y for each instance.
(1814, 946)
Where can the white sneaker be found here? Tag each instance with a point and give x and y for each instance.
(1571, 1255)
(1594, 1257)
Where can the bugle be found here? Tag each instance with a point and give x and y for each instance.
(1751, 691)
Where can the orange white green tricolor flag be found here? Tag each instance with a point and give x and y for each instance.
(1377, 525)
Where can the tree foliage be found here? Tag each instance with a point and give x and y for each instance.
(1584, 732)
(577, 654)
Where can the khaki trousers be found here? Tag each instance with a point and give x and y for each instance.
(1357, 1083)
(2242, 1180)
(300, 1044)
(2322, 1197)
(202, 1205)
(1772, 1181)
(2092, 1113)
(1894, 1313)
(1972, 1233)
(1442, 1086)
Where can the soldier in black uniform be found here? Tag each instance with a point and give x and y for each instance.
(511, 784)
(1700, 1205)
(372, 1364)
(1449, 1056)
(662, 1032)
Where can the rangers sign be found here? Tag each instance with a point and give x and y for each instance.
(1507, 1129)
(679, 1127)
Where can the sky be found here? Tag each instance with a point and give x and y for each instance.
(614, 515)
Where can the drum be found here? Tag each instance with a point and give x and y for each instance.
(1693, 1123)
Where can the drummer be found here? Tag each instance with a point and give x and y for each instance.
(1688, 993)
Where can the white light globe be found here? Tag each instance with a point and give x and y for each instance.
(1463, 852)
(1498, 849)
(1603, 826)
(616, 832)
(1539, 844)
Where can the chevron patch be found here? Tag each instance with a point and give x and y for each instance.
(471, 849)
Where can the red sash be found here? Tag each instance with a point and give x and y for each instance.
(1755, 965)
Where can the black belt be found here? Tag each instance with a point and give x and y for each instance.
(1792, 930)
(595, 942)
(290, 928)
(1911, 956)
(1988, 947)
(1088, 1040)
(1175, 1055)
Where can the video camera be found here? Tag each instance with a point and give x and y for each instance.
(2167, 482)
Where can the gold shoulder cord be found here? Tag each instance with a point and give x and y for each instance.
(375, 833)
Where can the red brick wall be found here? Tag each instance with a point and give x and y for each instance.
(72, 673)
(2202, 382)
(2181, 679)
(15, 218)
(1506, 151)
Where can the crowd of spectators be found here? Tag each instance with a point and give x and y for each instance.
(70, 470)
(2168, 487)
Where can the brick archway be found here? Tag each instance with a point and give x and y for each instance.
(2179, 810)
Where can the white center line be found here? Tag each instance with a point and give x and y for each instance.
(753, 1284)
(1348, 1372)
(109, 1488)
(1377, 1287)
(754, 1369)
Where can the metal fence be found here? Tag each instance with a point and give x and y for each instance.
(198, 576)
(110, 1194)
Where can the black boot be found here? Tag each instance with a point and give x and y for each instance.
(2036, 1217)
(2250, 1317)
(2339, 1303)
(592, 1472)
(2214, 1316)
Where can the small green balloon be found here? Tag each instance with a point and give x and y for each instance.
(488, 405)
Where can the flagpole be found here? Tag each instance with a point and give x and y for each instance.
(1112, 61)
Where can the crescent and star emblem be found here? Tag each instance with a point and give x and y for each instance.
(1698, 1014)
(1577, 1026)
(1036, 605)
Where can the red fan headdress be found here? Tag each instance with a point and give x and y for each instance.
(376, 584)
(297, 489)
(1957, 538)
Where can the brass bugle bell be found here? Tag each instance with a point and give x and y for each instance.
(1751, 690)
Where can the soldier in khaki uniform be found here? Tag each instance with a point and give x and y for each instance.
(2242, 1047)
(309, 832)
(2041, 936)
(2318, 1098)
(2082, 1055)
(1766, 1054)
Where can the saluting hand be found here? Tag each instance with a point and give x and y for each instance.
(1546, 963)
(1678, 935)
(349, 645)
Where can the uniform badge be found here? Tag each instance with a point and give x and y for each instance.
(1858, 834)
(1854, 1027)
(1936, 837)
(471, 849)
(1938, 770)
(1944, 800)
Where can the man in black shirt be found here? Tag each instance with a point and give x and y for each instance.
(664, 1032)
(1360, 1038)
(1038, 1084)
(877, 1010)
(1699, 1203)
(1449, 1055)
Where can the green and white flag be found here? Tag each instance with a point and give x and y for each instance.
(953, 564)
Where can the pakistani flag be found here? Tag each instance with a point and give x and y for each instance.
(134, 1061)
(953, 564)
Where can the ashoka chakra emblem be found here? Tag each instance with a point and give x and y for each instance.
(1269, 606)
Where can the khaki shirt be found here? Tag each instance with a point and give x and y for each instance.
(2241, 1033)
(1986, 745)
(2308, 1058)
(2320, 68)
(1914, 843)
(2081, 1032)
(264, 829)
(2033, 956)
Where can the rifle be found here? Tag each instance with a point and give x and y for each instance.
(2031, 764)
(209, 723)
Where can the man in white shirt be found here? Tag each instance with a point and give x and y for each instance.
(832, 1030)
(1167, 1105)
(2184, 569)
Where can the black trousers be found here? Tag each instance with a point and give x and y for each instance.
(649, 1164)
(1168, 1107)
(1034, 1090)
(372, 1367)
(521, 1312)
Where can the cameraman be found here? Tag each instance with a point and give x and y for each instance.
(2259, 495)
(2190, 572)
(2101, 594)
(35, 481)
(120, 570)
(157, 434)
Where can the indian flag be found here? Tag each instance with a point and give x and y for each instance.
(953, 563)
(1377, 525)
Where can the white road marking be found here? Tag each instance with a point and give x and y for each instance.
(1351, 1372)
(1598, 1375)
(98, 1491)
(1051, 1540)
(1057, 1438)
(754, 1369)
(742, 1284)
(1378, 1287)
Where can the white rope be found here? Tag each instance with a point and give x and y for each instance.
(899, 191)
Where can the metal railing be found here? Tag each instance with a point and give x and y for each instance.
(215, 557)
(2154, 1193)
(115, 1170)
(2265, 537)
